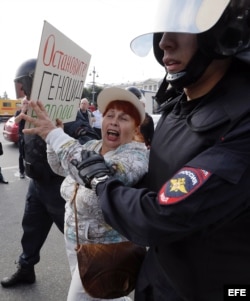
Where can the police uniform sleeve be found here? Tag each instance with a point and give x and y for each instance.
(210, 190)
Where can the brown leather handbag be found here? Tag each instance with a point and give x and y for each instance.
(108, 271)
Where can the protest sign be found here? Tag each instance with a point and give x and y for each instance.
(60, 75)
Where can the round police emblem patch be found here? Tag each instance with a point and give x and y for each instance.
(184, 183)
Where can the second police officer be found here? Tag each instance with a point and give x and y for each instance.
(44, 204)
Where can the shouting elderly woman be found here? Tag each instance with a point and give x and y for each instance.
(124, 155)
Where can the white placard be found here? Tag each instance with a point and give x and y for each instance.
(60, 75)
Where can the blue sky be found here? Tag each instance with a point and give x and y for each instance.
(104, 28)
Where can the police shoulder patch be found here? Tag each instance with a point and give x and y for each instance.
(183, 184)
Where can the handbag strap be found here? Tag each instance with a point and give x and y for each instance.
(75, 211)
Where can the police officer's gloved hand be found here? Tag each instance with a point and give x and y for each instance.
(92, 166)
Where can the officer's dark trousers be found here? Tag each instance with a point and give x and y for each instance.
(151, 283)
(21, 156)
(44, 205)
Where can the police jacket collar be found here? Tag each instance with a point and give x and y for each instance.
(228, 102)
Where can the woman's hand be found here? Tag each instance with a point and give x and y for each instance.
(43, 125)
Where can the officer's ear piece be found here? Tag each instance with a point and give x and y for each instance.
(229, 36)
(236, 35)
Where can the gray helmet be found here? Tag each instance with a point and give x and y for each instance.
(222, 28)
(24, 77)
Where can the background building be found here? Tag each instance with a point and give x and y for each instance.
(148, 87)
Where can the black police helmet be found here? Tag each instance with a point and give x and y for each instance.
(222, 28)
(135, 91)
(24, 77)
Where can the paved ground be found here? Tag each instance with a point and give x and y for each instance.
(52, 272)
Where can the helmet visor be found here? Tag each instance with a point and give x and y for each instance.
(19, 90)
(23, 86)
(186, 16)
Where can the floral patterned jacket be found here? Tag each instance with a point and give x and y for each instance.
(131, 163)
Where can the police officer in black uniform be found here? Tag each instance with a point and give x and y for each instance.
(81, 129)
(194, 209)
(44, 204)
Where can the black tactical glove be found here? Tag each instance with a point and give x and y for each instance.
(91, 166)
